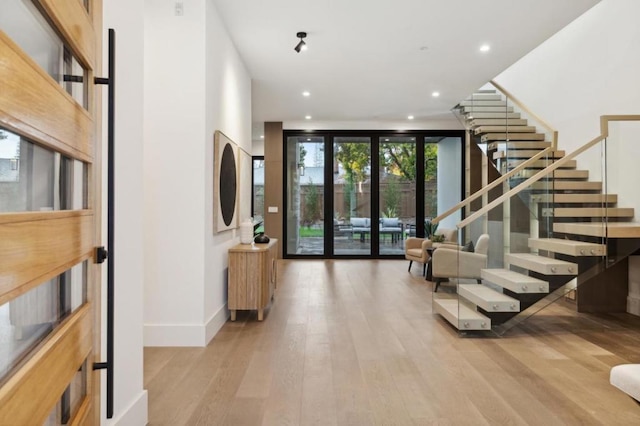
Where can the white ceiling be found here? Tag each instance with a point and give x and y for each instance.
(380, 60)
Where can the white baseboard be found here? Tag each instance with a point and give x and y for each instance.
(215, 323)
(174, 335)
(198, 335)
(633, 304)
(137, 414)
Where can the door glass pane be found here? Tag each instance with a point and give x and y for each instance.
(305, 195)
(397, 192)
(69, 403)
(33, 178)
(29, 318)
(352, 196)
(258, 193)
(25, 25)
(431, 178)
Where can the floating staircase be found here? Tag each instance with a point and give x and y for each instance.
(583, 221)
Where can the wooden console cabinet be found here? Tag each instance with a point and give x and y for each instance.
(252, 276)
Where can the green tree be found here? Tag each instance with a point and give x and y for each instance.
(399, 159)
(354, 157)
(311, 205)
(391, 198)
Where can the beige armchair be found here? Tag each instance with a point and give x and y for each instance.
(454, 263)
(417, 248)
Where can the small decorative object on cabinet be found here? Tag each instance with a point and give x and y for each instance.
(252, 276)
(261, 238)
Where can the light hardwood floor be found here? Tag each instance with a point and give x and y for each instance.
(352, 342)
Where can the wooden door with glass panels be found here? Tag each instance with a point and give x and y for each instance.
(49, 211)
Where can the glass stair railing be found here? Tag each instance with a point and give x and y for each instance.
(540, 236)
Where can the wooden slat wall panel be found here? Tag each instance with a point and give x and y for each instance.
(34, 105)
(47, 374)
(72, 20)
(38, 246)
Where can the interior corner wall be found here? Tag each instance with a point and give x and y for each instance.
(228, 109)
(130, 399)
(588, 69)
(174, 172)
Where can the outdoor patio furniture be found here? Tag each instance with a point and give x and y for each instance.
(341, 229)
(361, 225)
(392, 226)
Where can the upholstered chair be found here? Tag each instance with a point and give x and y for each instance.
(456, 263)
(417, 248)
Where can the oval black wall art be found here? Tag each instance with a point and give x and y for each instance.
(228, 184)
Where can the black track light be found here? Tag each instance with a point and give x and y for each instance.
(301, 45)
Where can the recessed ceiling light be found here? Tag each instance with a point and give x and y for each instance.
(308, 139)
(306, 93)
(308, 117)
(261, 136)
(485, 48)
(435, 94)
(386, 140)
(410, 117)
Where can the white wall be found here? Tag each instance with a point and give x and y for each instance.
(589, 69)
(194, 84)
(130, 399)
(228, 109)
(449, 179)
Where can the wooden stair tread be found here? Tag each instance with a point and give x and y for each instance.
(496, 109)
(558, 174)
(487, 137)
(530, 145)
(475, 102)
(566, 185)
(541, 164)
(476, 122)
(480, 114)
(568, 247)
(576, 198)
(593, 212)
(486, 96)
(541, 264)
(515, 281)
(488, 299)
(598, 229)
(525, 153)
(461, 316)
(502, 129)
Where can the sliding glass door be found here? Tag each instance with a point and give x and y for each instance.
(397, 189)
(352, 222)
(305, 217)
(362, 194)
